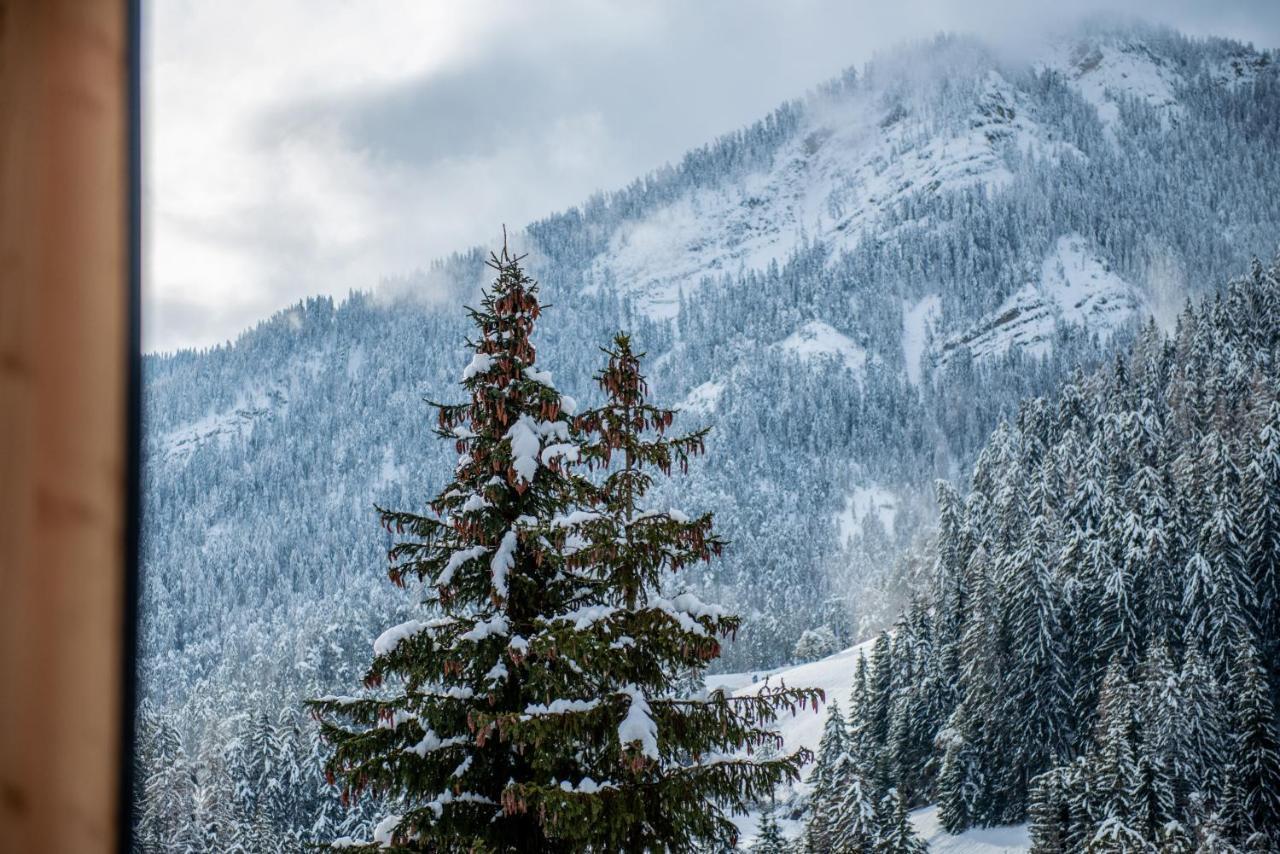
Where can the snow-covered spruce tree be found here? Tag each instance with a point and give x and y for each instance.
(848, 812)
(481, 554)
(1256, 752)
(169, 789)
(825, 788)
(1048, 812)
(533, 714)
(897, 836)
(855, 827)
(1262, 504)
(769, 839)
(631, 764)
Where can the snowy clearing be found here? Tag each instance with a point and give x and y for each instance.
(918, 321)
(863, 501)
(703, 398)
(834, 675)
(817, 340)
(1074, 286)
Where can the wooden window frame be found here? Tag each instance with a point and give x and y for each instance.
(70, 363)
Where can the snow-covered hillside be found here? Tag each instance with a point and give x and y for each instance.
(859, 154)
(1074, 286)
(977, 840)
(816, 339)
(834, 675)
(1107, 70)
(856, 155)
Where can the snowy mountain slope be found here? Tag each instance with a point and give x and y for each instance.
(866, 501)
(224, 426)
(978, 840)
(857, 153)
(816, 339)
(918, 321)
(1074, 285)
(1107, 70)
(834, 675)
(863, 160)
(702, 399)
(943, 199)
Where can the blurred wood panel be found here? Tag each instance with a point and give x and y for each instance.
(63, 326)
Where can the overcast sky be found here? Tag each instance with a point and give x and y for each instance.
(297, 147)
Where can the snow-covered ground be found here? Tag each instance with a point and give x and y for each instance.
(918, 320)
(232, 423)
(1074, 286)
(863, 501)
(834, 675)
(1107, 71)
(703, 398)
(816, 339)
(978, 840)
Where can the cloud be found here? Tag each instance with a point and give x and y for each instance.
(298, 147)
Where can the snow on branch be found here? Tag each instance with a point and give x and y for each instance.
(638, 725)
(480, 363)
(503, 560)
(456, 560)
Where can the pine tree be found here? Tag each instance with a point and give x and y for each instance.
(858, 724)
(1230, 607)
(769, 839)
(681, 766)
(1204, 726)
(1081, 559)
(1078, 797)
(483, 555)
(169, 791)
(1256, 750)
(1114, 766)
(1039, 672)
(1163, 747)
(856, 826)
(959, 780)
(1263, 539)
(1048, 812)
(146, 730)
(211, 826)
(535, 713)
(897, 836)
(270, 785)
(824, 785)
(879, 709)
(950, 581)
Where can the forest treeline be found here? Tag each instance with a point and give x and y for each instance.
(1098, 648)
